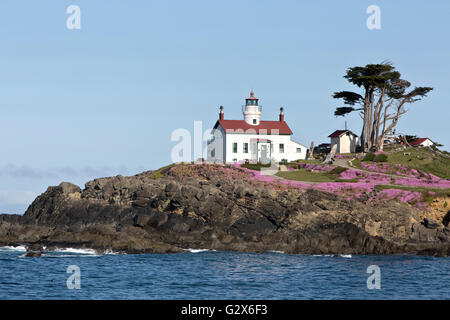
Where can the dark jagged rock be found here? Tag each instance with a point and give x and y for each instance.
(215, 207)
(446, 219)
(33, 254)
(430, 223)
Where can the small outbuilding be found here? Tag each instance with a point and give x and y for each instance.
(345, 140)
(422, 142)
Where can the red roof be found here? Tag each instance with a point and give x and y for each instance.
(339, 133)
(264, 127)
(417, 142)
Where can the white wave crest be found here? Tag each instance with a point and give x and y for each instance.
(11, 248)
(198, 250)
(76, 251)
(333, 255)
(109, 251)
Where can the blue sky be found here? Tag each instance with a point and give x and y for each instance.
(104, 100)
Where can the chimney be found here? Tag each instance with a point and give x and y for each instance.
(281, 114)
(221, 113)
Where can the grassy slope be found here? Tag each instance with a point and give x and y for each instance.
(424, 160)
(421, 159)
(439, 192)
(308, 176)
(304, 175)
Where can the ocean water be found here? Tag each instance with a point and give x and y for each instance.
(203, 274)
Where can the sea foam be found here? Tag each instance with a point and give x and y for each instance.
(11, 248)
(76, 251)
(198, 250)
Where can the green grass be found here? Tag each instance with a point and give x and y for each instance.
(424, 160)
(304, 175)
(315, 161)
(347, 180)
(420, 159)
(357, 164)
(158, 174)
(308, 176)
(440, 192)
(426, 196)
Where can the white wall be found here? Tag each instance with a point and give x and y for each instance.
(345, 143)
(221, 148)
(290, 147)
(216, 150)
(333, 141)
(427, 143)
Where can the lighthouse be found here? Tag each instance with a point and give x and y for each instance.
(252, 111)
(252, 139)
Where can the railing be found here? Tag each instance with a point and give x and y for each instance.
(259, 108)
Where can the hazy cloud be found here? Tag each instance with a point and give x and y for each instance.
(14, 171)
(21, 184)
(17, 197)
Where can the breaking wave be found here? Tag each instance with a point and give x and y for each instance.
(11, 248)
(199, 250)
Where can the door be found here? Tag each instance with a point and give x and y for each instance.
(263, 157)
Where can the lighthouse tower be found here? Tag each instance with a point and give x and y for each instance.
(252, 111)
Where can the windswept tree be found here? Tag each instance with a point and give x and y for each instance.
(381, 102)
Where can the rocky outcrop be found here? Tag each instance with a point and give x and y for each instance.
(215, 207)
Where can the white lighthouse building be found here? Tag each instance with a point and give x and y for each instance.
(253, 139)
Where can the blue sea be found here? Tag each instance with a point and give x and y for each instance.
(202, 274)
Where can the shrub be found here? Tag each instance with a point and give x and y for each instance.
(255, 166)
(426, 197)
(283, 161)
(156, 175)
(338, 170)
(295, 165)
(369, 157)
(381, 157)
(347, 180)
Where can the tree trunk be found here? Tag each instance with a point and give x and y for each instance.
(364, 133)
(369, 132)
(311, 152)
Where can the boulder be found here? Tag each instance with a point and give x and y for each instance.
(431, 224)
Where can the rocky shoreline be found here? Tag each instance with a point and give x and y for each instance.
(216, 207)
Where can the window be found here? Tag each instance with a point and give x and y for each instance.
(234, 147)
(299, 150)
(281, 147)
(254, 121)
(245, 147)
